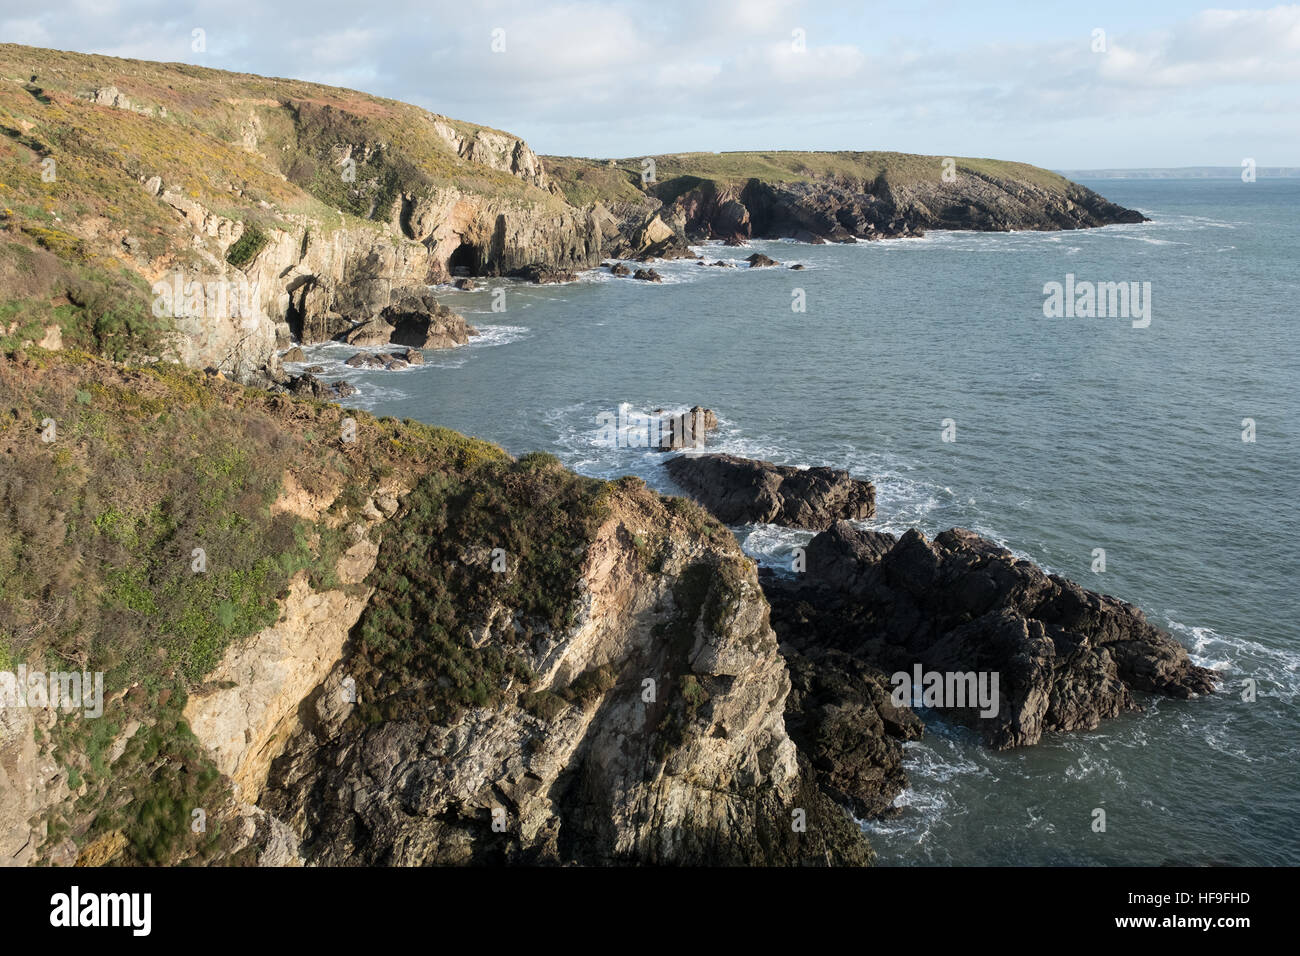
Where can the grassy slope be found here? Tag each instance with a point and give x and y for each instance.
(97, 531)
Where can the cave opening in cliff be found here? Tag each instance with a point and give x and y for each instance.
(467, 260)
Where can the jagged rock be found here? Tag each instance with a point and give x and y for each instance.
(744, 491)
(685, 429)
(309, 386)
(465, 285)
(294, 354)
(417, 321)
(389, 361)
(619, 269)
(673, 247)
(759, 261)
(544, 275)
(647, 275)
(1066, 658)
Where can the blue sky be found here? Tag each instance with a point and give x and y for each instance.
(1177, 84)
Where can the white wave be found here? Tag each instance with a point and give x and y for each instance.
(1275, 671)
(489, 335)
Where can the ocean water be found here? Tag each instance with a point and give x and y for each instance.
(1072, 434)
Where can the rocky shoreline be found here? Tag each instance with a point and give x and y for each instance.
(861, 607)
(359, 641)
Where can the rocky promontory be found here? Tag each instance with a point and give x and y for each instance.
(1066, 657)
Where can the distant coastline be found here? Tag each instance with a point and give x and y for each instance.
(1181, 172)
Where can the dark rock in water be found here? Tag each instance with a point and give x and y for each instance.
(759, 261)
(391, 361)
(736, 240)
(294, 354)
(619, 269)
(465, 285)
(673, 247)
(543, 275)
(745, 491)
(1065, 658)
(309, 386)
(314, 369)
(647, 275)
(686, 429)
(797, 266)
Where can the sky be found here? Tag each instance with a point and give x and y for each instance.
(1061, 85)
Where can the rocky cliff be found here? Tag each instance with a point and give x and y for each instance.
(279, 210)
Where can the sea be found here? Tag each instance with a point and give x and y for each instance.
(1154, 457)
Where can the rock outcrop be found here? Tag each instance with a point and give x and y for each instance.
(744, 491)
(1066, 658)
(653, 731)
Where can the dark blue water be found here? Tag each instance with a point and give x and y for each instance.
(1072, 434)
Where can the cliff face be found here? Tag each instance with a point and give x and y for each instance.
(650, 729)
(312, 209)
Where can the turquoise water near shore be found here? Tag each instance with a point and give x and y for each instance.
(1072, 434)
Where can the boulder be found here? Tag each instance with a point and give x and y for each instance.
(760, 261)
(389, 361)
(544, 275)
(685, 429)
(745, 491)
(309, 386)
(419, 322)
(619, 269)
(294, 354)
(647, 275)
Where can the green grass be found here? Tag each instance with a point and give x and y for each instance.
(588, 180)
(416, 651)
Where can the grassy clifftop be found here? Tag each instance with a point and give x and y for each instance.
(586, 180)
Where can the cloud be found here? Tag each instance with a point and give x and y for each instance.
(623, 78)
